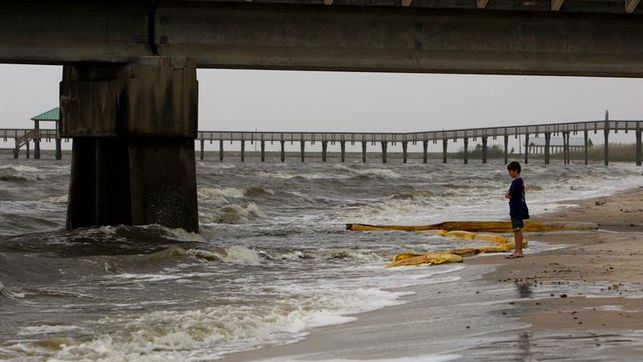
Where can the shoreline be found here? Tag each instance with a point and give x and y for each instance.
(588, 290)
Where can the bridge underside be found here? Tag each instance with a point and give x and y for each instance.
(267, 35)
(129, 93)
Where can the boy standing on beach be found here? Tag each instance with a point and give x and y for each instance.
(517, 207)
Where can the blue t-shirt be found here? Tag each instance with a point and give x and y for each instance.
(517, 205)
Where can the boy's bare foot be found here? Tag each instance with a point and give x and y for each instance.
(514, 256)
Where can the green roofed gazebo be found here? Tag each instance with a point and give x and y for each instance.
(52, 115)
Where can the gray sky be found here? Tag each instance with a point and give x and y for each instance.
(327, 101)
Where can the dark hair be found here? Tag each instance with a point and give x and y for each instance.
(514, 166)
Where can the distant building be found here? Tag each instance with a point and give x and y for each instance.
(556, 145)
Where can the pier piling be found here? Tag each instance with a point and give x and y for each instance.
(547, 143)
(445, 142)
(342, 145)
(303, 150)
(506, 151)
(363, 152)
(263, 151)
(466, 150)
(526, 148)
(404, 148)
(201, 154)
(425, 148)
(484, 149)
(243, 151)
(324, 150)
(384, 146)
(283, 151)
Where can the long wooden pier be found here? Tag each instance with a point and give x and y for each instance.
(385, 138)
(23, 137)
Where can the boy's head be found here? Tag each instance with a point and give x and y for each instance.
(513, 168)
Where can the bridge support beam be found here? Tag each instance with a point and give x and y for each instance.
(405, 146)
(526, 148)
(445, 143)
(133, 128)
(342, 145)
(283, 151)
(506, 151)
(484, 149)
(363, 152)
(466, 150)
(243, 150)
(384, 147)
(425, 148)
(324, 149)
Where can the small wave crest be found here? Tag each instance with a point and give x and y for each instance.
(235, 214)
(234, 254)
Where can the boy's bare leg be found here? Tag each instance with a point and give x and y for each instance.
(518, 239)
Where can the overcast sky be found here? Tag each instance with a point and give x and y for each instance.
(326, 101)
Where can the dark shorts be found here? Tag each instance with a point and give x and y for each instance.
(517, 224)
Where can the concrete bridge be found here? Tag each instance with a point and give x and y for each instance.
(129, 92)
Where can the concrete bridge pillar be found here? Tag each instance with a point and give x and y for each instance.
(547, 143)
(466, 150)
(484, 149)
(243, 150)
(445, 142)
(303, 149)
(363, 152)
(526, 148)
(384, 146)
(133, 128)
(283, 151)
(342, 145)
(324, 149)
(425, 148)
(404, 149)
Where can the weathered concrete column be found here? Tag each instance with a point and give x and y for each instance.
(243, 150)
(425, 149)
(526, 148)
(484, 149)
(263, 151)
(638, 146)
(404, 149)
(445, 142)
(384, 146)
(201, 150)
(221, 150)
(363, 152)
(506, 151)
(342, 145)
(36, 141)
(466, 150)
(324, 149)
(283, 151)
(59, 152)
(303, 149)
(133, 128)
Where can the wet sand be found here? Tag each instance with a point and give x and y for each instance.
(580, 302)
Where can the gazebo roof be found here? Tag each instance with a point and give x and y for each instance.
(52, 115)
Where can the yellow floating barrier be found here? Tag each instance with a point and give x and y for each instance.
(407, 259)
(477, 226)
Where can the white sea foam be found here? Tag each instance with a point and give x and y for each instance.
(217, 194)
(21, 168)
(46, 329)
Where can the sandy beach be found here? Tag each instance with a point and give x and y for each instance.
(580, 301)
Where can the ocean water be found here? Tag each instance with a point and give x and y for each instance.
(272, 261)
